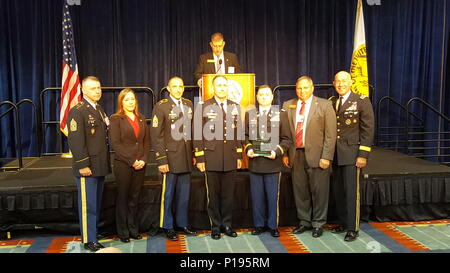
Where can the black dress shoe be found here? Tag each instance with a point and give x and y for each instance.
(187, 231)
(136, 237)
(339, 229)
(99, 245)
(275, 233)
(351, 236)
(300, 229)
(258, 230)
(124, 239)
(230, 232)
(215, 235)
(171, 235)
(93, 246)
(317, 232)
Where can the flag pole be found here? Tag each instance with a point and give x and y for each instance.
(70, 84)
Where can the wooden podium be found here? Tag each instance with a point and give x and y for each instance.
(241, 89)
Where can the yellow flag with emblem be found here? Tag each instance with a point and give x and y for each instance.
(359, 69)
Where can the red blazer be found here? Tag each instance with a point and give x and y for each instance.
(124, 142)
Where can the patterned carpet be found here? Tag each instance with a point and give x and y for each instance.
(389, 237)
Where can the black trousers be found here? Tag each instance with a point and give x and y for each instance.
(347, 196)
(129, 183)
(311, 191)
(220, 196)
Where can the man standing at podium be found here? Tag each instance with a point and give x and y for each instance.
(217, 61)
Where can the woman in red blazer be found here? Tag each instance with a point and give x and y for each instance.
(130, 138)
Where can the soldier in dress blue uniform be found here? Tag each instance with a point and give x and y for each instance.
(355, 131)
(218, 151)
(171, 140)
(262, 137)
(88, 141)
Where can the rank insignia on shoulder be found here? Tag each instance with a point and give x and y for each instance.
(155, 122)
(292, 106)
(79, 104)
(363, 97)
(162, 101)
(73, 125)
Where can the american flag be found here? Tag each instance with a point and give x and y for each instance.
(71, 91)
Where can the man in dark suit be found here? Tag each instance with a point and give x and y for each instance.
(218, 149)
(262, 143)
(88, 141)
(309, 124)
(355, 131)
(217, 61)
(171, 140)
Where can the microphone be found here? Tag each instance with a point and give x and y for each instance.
(220, 65)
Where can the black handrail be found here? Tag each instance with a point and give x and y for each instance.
(36, 120)
(433, 109)
(43, 122)
(18, 134)
(378, 127)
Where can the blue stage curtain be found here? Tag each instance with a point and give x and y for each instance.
(144, 42)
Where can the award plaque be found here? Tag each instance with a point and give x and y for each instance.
(261, 148)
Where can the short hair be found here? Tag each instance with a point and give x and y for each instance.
(90, 78)
(173, 78)
(304, 78)
(217, 37)
(264, 86)
(348, 75)
(219, 76)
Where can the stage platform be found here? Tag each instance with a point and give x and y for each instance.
(395, 187)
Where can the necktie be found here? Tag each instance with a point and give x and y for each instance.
(181, 108)
(223, 109)
(219, 67)
(100, 112)
(299, 129)
(339, 104)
